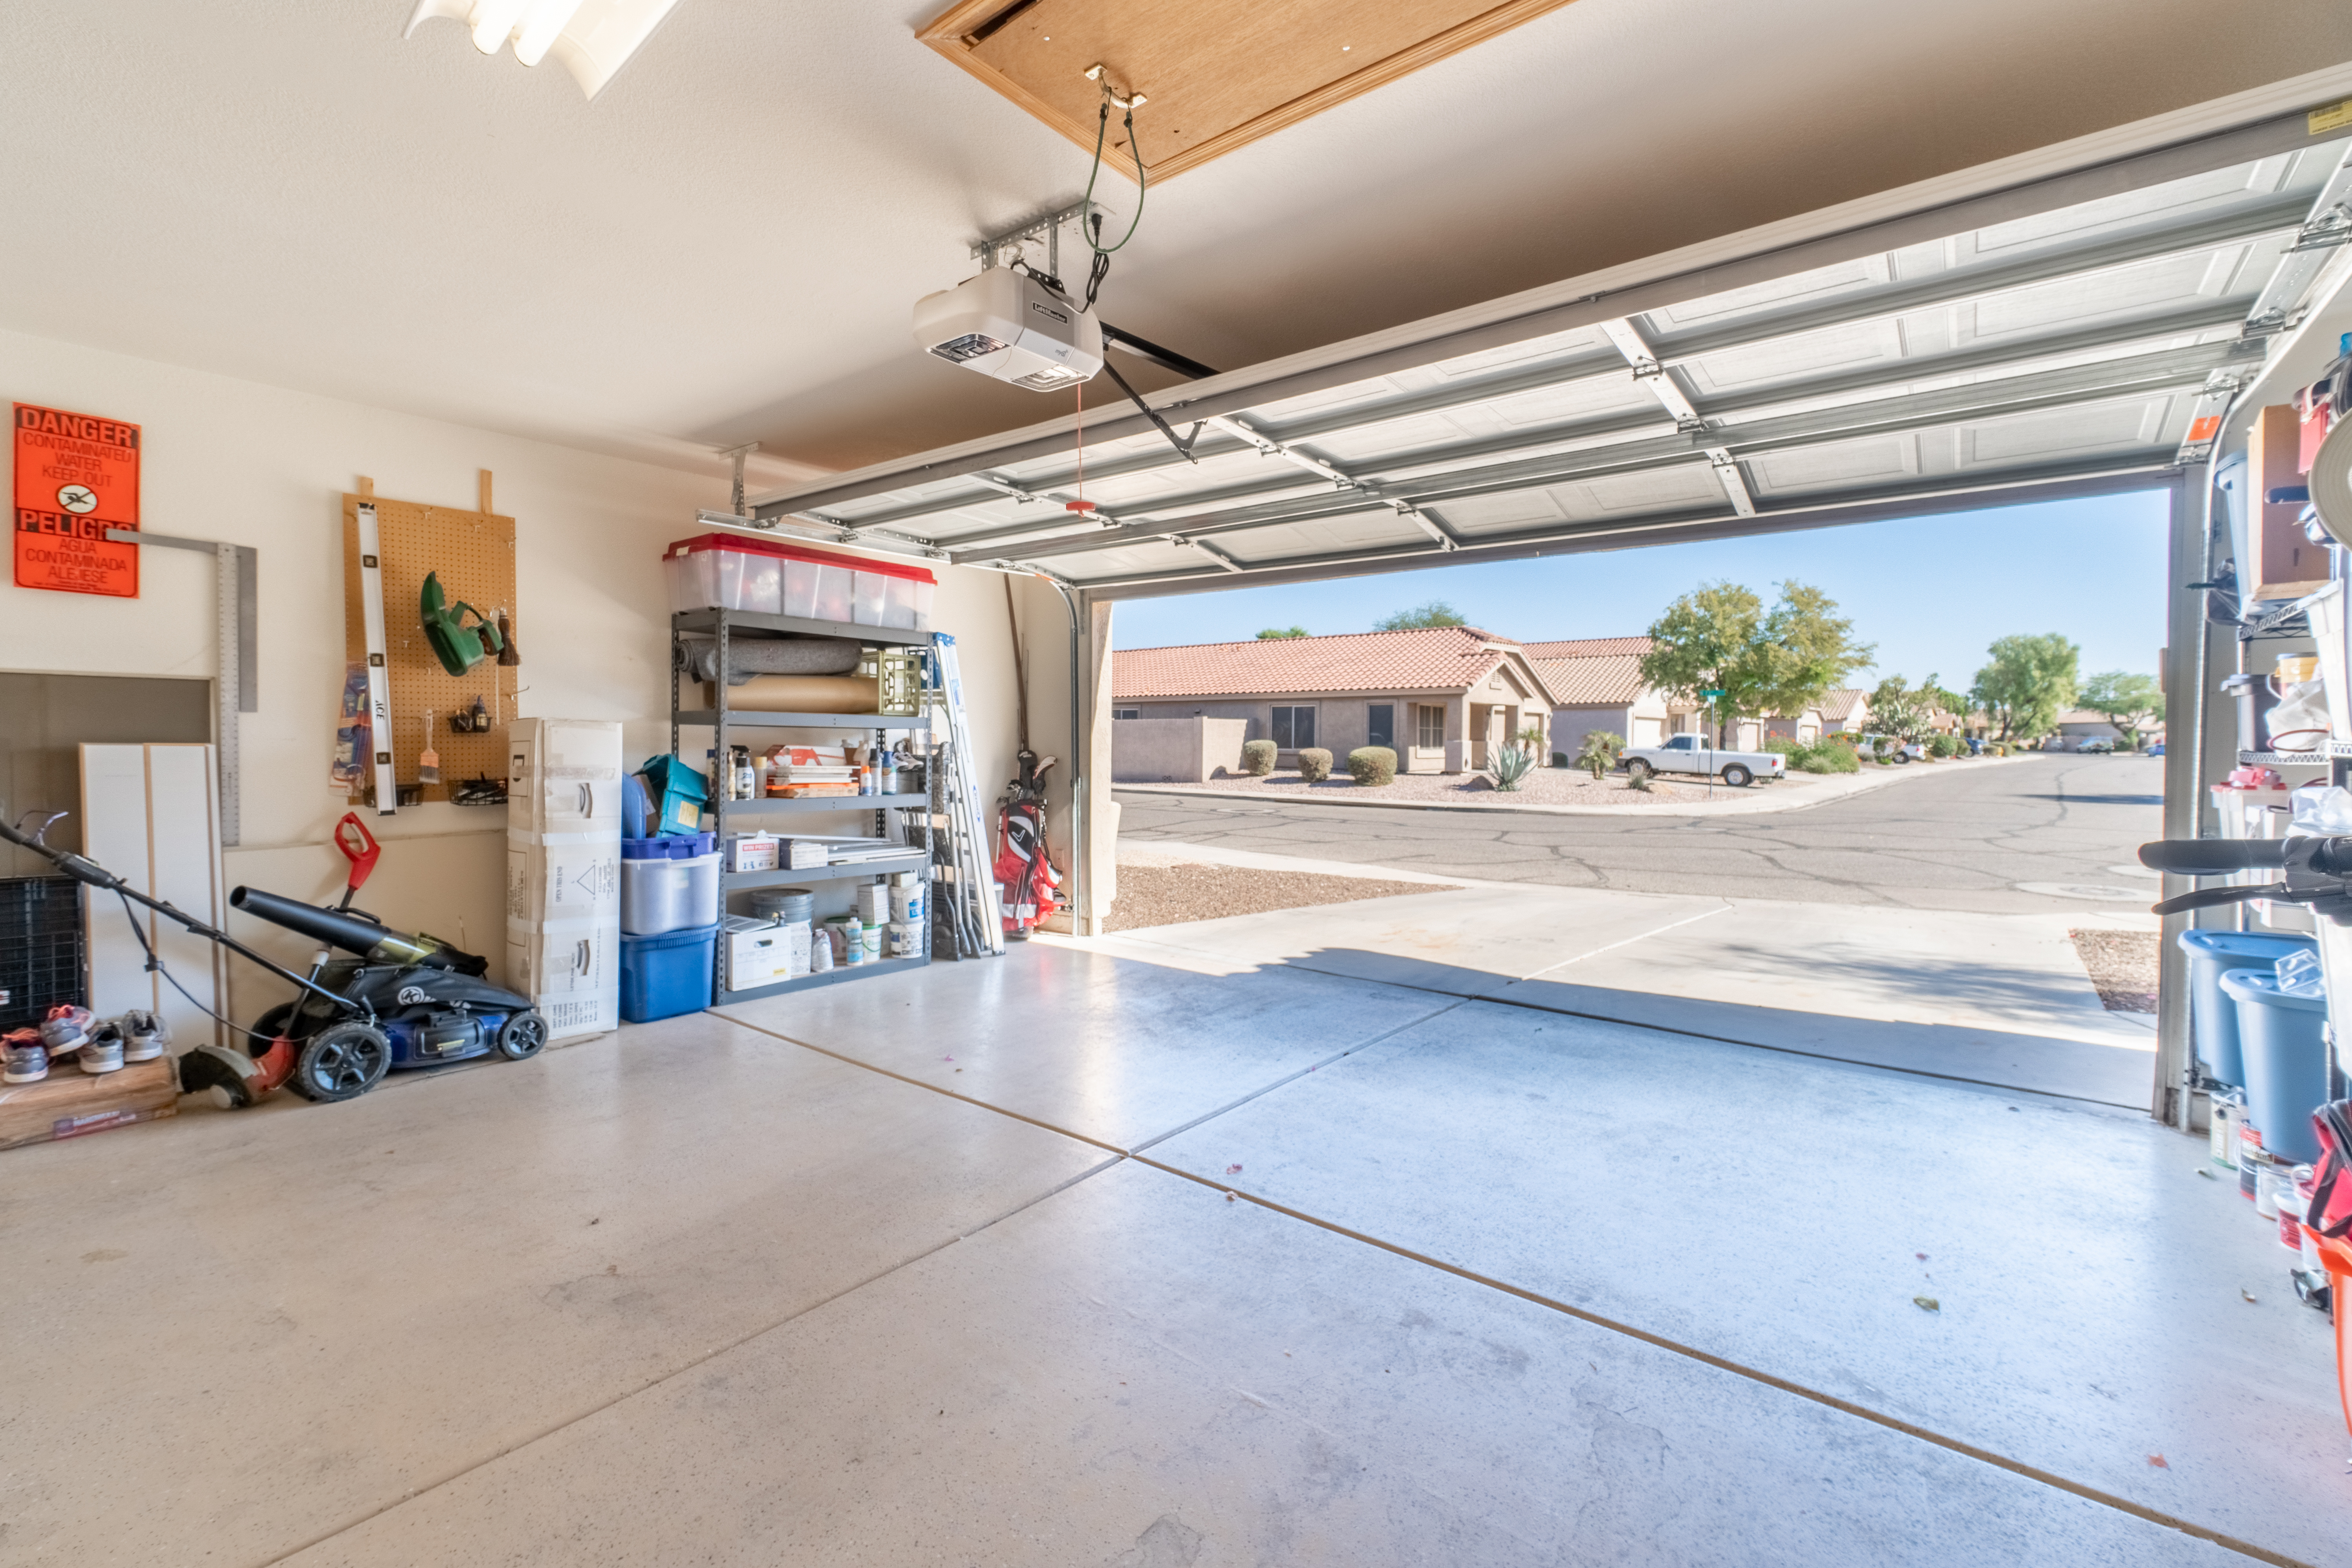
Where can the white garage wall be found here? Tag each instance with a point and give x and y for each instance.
(256, 464)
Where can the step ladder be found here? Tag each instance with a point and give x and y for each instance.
(961, 870)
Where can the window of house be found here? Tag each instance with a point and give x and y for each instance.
(1294, 728)
(1429, 727)
(1127, 712)
(1382, 729)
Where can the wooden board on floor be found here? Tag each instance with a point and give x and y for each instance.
(474, 555)
(70, 1102)
(1217, 74)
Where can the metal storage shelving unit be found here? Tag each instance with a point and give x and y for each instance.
(721, 720)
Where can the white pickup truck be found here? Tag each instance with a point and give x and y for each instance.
(1691, 754)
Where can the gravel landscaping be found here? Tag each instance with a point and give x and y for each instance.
(2122, 964)
(1174, 895)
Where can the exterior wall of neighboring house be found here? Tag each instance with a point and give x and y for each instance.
(1343, 721)
(1845, 713)
(1176, 750)
(1805, 728)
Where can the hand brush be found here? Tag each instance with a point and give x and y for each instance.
(428, 761)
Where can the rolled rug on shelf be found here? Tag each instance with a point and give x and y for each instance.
(747, 658)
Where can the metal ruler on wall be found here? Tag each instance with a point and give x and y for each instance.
(387, 789)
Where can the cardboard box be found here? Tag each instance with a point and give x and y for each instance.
(752, 851)
(762, 953)
(564, 776)
(564, 957)
(2286, 564)
(573, 1014)
(560, 878)
(70, 1102)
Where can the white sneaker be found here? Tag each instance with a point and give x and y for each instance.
(144, 1036)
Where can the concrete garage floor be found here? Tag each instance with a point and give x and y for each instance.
(943, 1270)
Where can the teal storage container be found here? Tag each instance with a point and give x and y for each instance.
(2213, 1018)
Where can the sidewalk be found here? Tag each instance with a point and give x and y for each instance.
(1796, 793)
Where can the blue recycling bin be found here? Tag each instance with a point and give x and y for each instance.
(665, 975)
(2286, 1060)
(2213, 1018)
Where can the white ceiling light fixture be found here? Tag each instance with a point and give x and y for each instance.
(592, 39)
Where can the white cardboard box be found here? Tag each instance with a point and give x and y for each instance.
(575, 1013)
(562, 876)
(565, 957)
(761, 952)
(564, 776)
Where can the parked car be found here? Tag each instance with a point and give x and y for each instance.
(1691, 754)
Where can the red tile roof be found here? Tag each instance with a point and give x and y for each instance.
(1434, 659)
(1612, 679)
(1586, 647)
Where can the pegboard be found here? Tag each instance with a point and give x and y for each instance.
(474, 551)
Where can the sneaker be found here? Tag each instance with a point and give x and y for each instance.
(23, 1058)
(144, 1036)
(103, 1052)
(66, 1027)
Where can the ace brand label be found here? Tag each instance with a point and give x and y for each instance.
(76, 476)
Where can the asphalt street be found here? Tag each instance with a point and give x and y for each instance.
(2042, 833)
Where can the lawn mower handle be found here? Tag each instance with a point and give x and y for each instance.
(90, 874)
(2212, 856)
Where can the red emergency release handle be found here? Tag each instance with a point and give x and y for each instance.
(359, 847)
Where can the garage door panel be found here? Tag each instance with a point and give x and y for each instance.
(1798, 288)
(1787, 359)
(2039, 437)
(2177, 200)
(1650, 491)
(1841, 463)
(1502, 513)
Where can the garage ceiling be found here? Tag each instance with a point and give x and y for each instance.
(2019, 344)
(725, 244)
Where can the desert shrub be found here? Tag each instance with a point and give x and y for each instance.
(1641, 782)
(1314, 765)
(1257, 758)
(1372, 766)
(1826, 755)
(1510, 766)
(1599, 753)
(1781, 745)
(1943, 746)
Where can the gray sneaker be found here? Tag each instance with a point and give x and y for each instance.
(103, 1052)
(23, 1058)
(66, 1027)
(144, 1036)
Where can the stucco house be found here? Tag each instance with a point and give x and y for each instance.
(1845, 711)
(1441, 698)
(1596, 684)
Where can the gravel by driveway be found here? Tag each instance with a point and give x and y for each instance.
(1175, 895)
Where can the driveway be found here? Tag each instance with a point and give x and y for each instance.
(2045, 833)
(1923, 928)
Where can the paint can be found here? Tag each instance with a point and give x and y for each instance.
(2227, 1112)
(906, 904)
(904, 939)
(789, 905)
(870, 936)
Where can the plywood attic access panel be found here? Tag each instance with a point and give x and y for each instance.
(1219, 74)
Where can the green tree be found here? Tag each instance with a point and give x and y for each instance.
(2029, 683)
(1599, 753)
(1721, 637)
(1279, 634)
(1436, 613)
(2130, 702)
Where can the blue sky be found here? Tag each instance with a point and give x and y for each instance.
(1929, 593)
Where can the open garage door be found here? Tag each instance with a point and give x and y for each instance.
(2056, 340)
(2079, 334)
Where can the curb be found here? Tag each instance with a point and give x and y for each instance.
(1735, 807)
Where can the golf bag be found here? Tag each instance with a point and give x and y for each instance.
(1032, 888)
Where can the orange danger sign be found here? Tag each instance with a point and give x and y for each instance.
(76, 476)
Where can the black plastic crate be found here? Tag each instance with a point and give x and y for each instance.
(41, 959)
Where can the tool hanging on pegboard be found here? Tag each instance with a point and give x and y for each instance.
(378, 680)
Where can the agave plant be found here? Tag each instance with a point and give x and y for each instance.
(1511, 765)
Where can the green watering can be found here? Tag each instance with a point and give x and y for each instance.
(458, 646)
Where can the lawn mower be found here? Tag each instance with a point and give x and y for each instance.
(399, 1001)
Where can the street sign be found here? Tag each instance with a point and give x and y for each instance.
(1710, 696)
